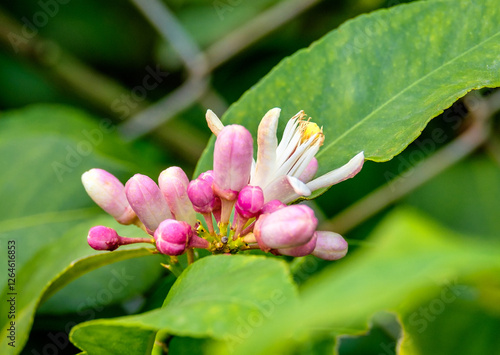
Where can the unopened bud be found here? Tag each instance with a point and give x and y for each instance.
(201, 196)
(172, 237)
(207, 176)
(109, 193)
(147, 201)
(173, 184)
(103, 238)
(250, 201)
(330, 246)
(233, 156)
(287, 227)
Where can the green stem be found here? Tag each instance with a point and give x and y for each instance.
(174, 267)
(190, 256)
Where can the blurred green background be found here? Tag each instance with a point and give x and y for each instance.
(69, 69)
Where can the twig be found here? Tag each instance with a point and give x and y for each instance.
(475, 136)
(167, 25)
(251, 32)
(96, 89)
(203, 64)
(165, 109)
(160, 16)
(85, 82)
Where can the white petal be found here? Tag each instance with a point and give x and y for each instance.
(284, 155)
(304, 151)
(304, 161)
(213, 122)
(288, 133)
(343, 173)
(286, 189)
(267, 143)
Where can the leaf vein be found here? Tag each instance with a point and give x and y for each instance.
(402, 92)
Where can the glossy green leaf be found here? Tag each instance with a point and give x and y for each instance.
(45, 210)
(122, 279)
(223, 297)
(375, 82)
(59, 263)
(410, 258)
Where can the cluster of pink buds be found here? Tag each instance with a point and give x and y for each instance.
(241, 203)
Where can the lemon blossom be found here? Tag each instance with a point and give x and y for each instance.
(255, 193)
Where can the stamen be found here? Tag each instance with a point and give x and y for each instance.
(310, 129)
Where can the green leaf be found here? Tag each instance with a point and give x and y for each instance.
(108, 284)
(410, 258)
(375, 82)
(222, 297)
(46, 211)
(58, 263)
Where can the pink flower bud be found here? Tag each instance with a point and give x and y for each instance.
(287, 227)
(109, 193)
(207, 176)
(272, 206)
(173, 184)
(301, 250)
(103, 238)
(250, 201)
(330, 246)
(309, 172)
(233, 155)
(202, 196)
(147, 201)
(172, 237)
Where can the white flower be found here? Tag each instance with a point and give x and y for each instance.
(279, 166)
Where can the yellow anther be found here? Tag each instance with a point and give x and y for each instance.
(310, 129)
